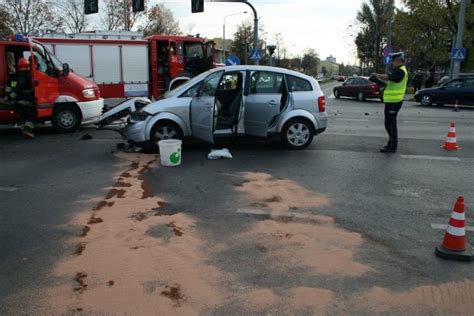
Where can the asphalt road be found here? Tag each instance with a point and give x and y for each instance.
(379, 248)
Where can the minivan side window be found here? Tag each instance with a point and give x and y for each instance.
(296, 84)
(210, 84)
(264, 82)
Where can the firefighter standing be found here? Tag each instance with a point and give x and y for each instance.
(393, 96)
(20, 93)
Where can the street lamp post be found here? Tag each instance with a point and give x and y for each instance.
(223, 32)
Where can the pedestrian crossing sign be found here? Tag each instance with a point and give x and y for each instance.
(256, 54)
(458, 54)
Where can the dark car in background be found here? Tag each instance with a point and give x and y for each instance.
(459, 90)
(360, 88)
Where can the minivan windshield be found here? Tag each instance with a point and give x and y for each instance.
(185, 86)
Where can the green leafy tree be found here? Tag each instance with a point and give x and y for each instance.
(310, 62)
(422, 29)
(372, 18)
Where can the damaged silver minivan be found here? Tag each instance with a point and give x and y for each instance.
(231, 101)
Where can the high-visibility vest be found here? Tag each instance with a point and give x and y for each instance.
(395, 91)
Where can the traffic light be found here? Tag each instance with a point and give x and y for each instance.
(91, 6)
(197, 6)
(138, 5)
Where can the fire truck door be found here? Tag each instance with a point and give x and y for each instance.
(176, 64)
(45, 79)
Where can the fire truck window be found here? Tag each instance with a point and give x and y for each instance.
(173, 49)
(10, 56)
(180, 49)
(194, 50)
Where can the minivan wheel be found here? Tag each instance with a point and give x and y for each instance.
(336, 94)
(360, 96)
(66, 119)
(164, 130)
(426, 100)
(297, 134)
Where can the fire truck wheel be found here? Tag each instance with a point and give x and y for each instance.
(164, 130)
(66, 119)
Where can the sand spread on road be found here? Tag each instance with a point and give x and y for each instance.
(133, 258)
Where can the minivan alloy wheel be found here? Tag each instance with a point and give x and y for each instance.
(166, 132)
(298, 134)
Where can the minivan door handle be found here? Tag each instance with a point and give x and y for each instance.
(273, 102)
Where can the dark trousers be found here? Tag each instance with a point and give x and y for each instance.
(391, 112)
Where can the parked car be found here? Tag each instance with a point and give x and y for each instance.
(447, 78)
(238, 100)
(460, 90)
(358, 87)
(341, 78)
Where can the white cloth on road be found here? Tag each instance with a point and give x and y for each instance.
(219, 153)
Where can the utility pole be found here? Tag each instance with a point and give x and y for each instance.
(389, 30)
(125, 15)
(459, 37)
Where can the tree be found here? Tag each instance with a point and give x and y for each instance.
(310, 62)
(372, 19)
(4, 23)
(113, 17)
(73, 14)
(422, 29)
(324, 71)
(32, 17)
(161, 21)
(243, 42)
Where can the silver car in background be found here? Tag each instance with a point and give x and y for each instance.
(231, 101)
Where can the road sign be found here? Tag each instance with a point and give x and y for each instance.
(458, 54)
(387, 50)
(256, 54)
(386, 60)
(232, 60)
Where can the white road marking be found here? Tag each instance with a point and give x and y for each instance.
(444, 227)
(421, 122)
(8, 189)
(267, 212)
(352, 119)
(429, 157)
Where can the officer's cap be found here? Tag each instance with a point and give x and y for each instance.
(396, 55)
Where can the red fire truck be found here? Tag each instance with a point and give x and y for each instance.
(62, 97)
(125, 64)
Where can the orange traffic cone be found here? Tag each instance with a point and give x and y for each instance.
(450, 143)
(454, 244)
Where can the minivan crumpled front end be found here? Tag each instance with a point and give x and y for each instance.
(121, 110)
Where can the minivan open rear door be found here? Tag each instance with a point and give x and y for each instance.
(203, 108)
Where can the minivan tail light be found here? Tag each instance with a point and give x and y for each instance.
(322, 104)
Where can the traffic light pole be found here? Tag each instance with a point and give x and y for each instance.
(459, 37)
(255, 21)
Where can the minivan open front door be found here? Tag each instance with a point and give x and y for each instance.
(203, 108)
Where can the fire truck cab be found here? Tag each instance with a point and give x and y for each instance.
(127, 64)
(61, 96)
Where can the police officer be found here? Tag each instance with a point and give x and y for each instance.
(393, 96)
(20, 92)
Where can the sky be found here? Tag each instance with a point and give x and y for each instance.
(325, 25)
